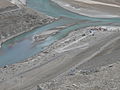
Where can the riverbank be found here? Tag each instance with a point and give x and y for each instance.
(14, 23)
(24, 70)
(91, 8)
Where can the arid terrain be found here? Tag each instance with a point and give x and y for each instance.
(81, 53)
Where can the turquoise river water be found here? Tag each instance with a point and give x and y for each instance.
(21, 47)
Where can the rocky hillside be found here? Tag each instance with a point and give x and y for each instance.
(106, 78)
(20, 20)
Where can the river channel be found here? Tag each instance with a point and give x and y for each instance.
(22, 47)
